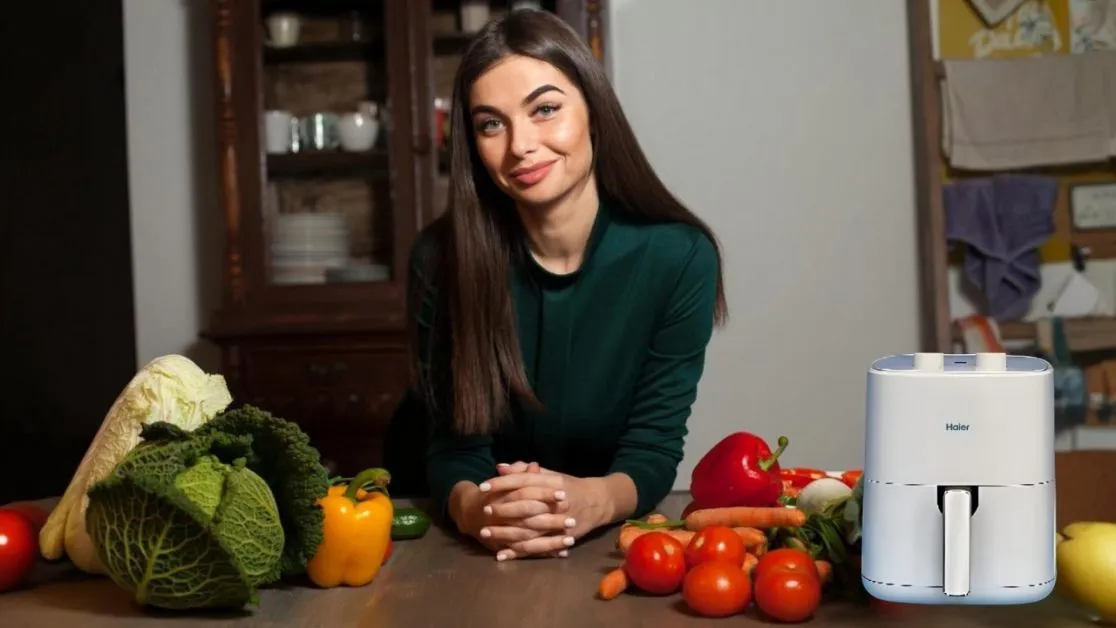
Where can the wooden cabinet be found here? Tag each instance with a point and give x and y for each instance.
(330, 163)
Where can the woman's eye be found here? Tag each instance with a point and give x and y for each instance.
(547, 110)
(488, 126)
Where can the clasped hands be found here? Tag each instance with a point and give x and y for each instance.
(529, 511)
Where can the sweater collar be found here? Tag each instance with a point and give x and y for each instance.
(596, 235)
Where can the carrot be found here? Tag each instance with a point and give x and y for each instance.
(825, 571)
(629, 535)
(750, 562)
(761, 517)
(613, 584)
(751, 536)
(759, 549)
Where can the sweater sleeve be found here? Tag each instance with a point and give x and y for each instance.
(651, 447)
(450, 457)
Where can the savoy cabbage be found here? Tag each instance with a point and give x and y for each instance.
(203, 519)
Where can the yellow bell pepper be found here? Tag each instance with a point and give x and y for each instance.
(357, 532)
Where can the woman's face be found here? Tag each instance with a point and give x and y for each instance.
(531, 126)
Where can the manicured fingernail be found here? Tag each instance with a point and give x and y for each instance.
(568, 541)
(563, 554)
(502, 464)
(559, 495)
(571, 522)
(485, 487)
(488, 510)
(486, 533)
(501, 556)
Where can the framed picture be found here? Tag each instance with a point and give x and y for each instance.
(1093, 206)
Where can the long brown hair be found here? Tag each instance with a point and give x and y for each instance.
(477, 238)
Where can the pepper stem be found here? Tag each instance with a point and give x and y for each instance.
(767, 464)
(379, 478)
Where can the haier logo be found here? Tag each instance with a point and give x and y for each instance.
(957, 427)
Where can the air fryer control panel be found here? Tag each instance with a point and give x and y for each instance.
(930, 363)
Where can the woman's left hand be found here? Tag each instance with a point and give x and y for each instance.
(523, 486)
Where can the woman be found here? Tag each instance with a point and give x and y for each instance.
(562, 305)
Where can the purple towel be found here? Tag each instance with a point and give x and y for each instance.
(1002, 221)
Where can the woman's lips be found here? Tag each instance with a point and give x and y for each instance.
(533, 174)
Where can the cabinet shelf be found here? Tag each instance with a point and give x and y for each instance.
(451, 43)
(325, 51)
(1091, 333)
(318, 163)
(446, 44)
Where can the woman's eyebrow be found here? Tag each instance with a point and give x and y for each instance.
(533, 96)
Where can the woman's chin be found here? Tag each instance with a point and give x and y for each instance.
(534, 196)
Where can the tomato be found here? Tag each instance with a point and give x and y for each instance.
(717, 589)
(851, 476)
(35, 516)
(716, 543)
(656, 563)
(18, 549)
(787, 596)
(786, 559)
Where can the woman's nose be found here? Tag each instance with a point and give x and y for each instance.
(524, 139)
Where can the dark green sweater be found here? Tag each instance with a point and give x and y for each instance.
(613, 351)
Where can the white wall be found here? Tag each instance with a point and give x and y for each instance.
(787, 126)
(784, 124)
(172, 177)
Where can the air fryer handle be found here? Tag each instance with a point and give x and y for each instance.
(957, 512)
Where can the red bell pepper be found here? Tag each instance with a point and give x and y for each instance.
(851, 476)
(799, 477)
(740, 470)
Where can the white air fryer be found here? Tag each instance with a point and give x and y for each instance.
(958, 499)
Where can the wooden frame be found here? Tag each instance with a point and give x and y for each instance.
(926, 107)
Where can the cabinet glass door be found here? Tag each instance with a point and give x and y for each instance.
(327, 203)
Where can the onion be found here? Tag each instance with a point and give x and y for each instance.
(821, 494)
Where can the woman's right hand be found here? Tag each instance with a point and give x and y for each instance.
(511, 526)
(532, 522)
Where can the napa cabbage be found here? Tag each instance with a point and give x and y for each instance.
(170, 389)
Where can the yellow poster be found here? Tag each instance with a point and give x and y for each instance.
(1038, 27)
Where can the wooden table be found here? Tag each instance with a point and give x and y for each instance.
(440, 581)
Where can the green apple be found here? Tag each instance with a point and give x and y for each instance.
(1087, 565)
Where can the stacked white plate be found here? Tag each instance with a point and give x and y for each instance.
(305, 245)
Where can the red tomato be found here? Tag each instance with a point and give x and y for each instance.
(35, 515)
(787, 596)
(18, 549)
(786, 559)
(717, 589)
(656, 563)
(719, 543)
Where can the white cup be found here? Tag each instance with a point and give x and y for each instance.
(474, 15)
(283, 29)
(357, 131)
(277, 131)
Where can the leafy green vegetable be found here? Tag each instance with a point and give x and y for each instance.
(181, 530)
(282, 455)
(202, 519)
